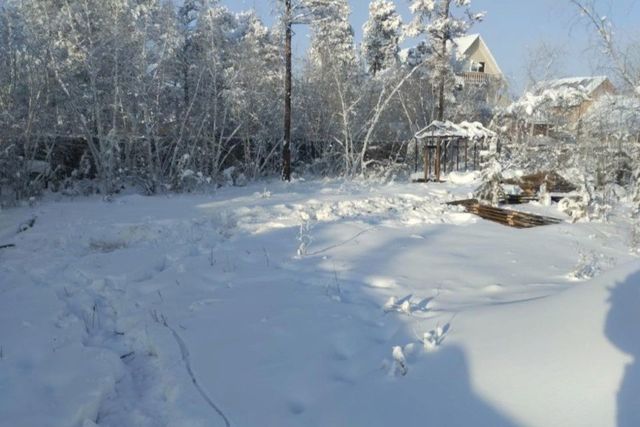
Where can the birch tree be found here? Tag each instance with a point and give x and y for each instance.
(626, 63)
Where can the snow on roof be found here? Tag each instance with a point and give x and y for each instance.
(475, 130)
(464, 43)
(586, 84)
(441, 129)
(472, 130)
(540, 106)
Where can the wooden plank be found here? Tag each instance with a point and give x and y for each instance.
(508, 217)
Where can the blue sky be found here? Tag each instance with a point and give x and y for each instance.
(510, 29)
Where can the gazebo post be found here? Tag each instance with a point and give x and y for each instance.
(417, 149)
(427, 161)
(466, 155)
(438, 155)
(475, 156)
(446, 150)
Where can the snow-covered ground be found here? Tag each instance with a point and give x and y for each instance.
(321, 303)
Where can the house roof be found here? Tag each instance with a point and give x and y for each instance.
(462, 46)
(465, 43)
(585, 84)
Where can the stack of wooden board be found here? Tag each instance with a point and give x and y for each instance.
(505, 216)
(530, 184)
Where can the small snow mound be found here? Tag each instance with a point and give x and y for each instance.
(463, 178)
(494, 288)
(381, 282)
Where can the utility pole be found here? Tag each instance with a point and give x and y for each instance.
(286, 146)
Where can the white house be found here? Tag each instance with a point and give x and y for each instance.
(477, 62)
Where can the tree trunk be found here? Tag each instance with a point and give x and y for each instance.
(443, 62)
(286, 147)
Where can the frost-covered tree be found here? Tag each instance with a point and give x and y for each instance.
(624, 59)
(188, 15)
(436, 22)
(545, 61)
(491, 191)
(382, 31)
(332, 44)
(294, 12)
(255, 84)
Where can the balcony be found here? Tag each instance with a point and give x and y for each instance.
(475, 77)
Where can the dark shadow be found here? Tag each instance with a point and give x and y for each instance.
(435, 392)
(623, 330)
(437, 389)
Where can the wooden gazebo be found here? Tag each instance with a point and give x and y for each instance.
(446, 145)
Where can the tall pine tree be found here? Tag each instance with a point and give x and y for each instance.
(380, 44)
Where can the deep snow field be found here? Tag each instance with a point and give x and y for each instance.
(319, 303)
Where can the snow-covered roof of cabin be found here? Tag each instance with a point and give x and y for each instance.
(464, 43)
(586, 84)
(539, 106)
(472, 130)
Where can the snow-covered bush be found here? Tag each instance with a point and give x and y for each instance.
(589, 205)
(399, 361)
(434, 337)
(636, 191)
(304, 234)
(491, 191)
(634, 241)
(588, 267)
(575, 207)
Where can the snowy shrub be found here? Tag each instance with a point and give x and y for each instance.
(634, 243)
(636, 191)
(190, 180)
(304, 234)
(588, 267)
(399, 361)
(576, 208)
(304, 238)
(391, 304)
(589, 205)
(405, 305)
(544, 196)
(233, 177)
(435, 337)
(491, 191)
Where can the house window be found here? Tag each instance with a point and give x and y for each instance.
(477, 67)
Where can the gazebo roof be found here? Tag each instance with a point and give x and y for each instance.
(476, 130)
(442, 130)
(471, 130)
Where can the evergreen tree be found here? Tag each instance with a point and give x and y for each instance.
(332, 46)
(380, 44)
(435, 20)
